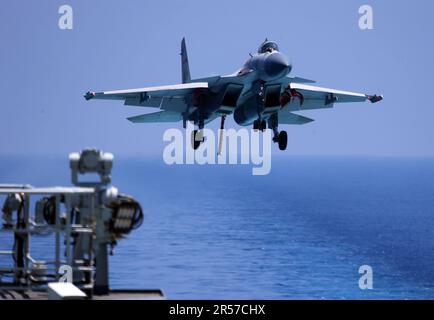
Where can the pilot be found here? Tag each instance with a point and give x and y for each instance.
(268, 46)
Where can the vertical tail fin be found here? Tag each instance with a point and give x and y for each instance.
(184, 63)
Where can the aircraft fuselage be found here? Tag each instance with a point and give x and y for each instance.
(267, 66)
(262, 68)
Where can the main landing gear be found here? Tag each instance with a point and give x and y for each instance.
(281, 137)
(197, 139)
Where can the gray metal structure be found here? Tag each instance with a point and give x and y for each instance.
(260, 93)
(84, 219)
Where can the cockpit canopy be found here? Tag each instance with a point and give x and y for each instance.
(268, 46)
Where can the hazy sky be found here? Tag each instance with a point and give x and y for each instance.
(44, 71)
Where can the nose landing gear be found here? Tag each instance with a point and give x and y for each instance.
(259, 125)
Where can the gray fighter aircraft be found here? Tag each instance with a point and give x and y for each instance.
(259, 93)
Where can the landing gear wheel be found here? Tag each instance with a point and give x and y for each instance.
(259, 125)
(195, 143)
(283, 140)
(256, 125)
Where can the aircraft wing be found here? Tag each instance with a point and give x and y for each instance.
(312, 97)
(169, 98)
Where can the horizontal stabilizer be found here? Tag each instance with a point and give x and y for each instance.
(162, 116)
(286, 117)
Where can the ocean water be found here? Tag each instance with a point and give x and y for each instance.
(302, 232)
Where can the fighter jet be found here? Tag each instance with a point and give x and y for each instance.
(261, 93)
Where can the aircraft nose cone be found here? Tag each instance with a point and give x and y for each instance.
(276, 65)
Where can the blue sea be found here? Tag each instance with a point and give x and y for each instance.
(302, 232)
